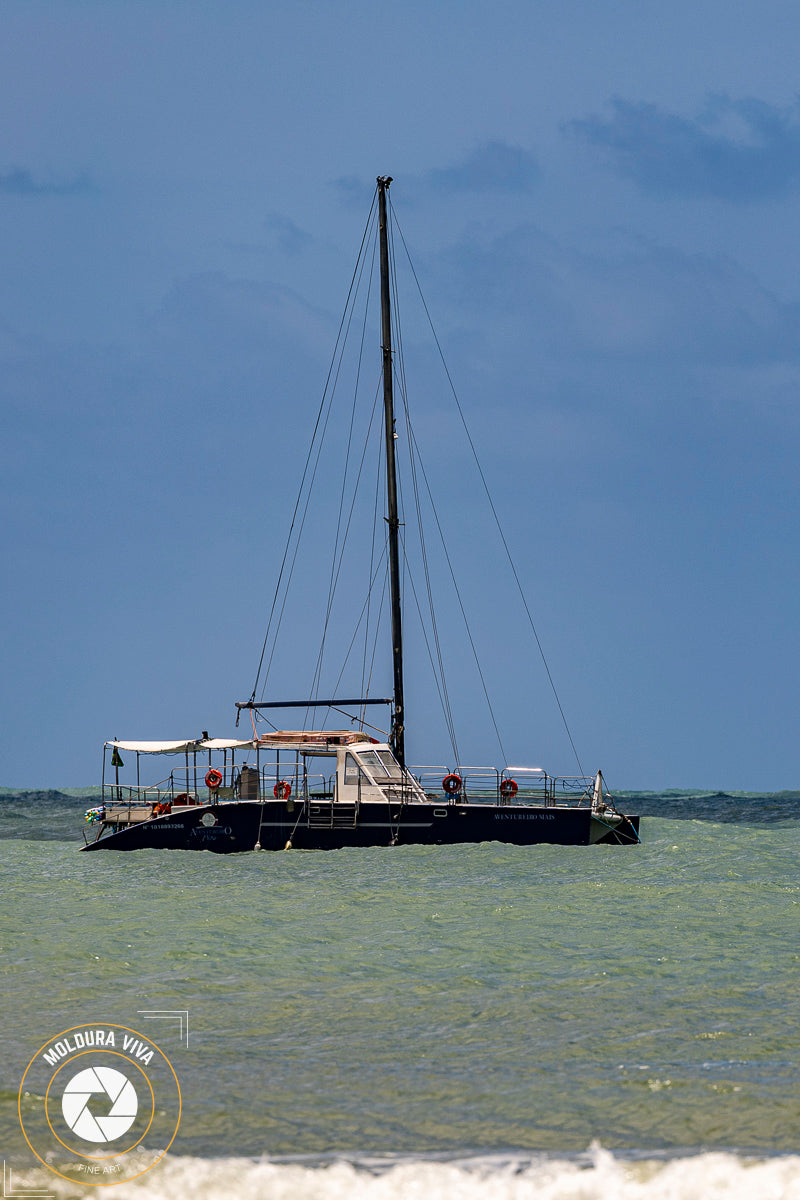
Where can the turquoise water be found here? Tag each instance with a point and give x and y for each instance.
(439, 1008)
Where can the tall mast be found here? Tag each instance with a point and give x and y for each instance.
(397, 737)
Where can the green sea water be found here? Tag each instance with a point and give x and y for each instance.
(429, 1002)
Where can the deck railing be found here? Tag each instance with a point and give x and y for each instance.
(243, 782)
(512, 785)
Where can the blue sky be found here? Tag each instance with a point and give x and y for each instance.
(601, 202)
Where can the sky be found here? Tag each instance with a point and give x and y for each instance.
(600, 201)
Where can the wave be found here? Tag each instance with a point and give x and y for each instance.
(598, 1175)
(720, 807)
(57, 815)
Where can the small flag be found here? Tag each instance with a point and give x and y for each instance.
(116, 759)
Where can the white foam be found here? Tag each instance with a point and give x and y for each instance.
(701, 1177)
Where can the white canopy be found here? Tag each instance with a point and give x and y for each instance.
(183, 747)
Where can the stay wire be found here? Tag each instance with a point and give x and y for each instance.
(310, 452)
(364, 610)
(444, 693)
(375, 511)
(491, 502)
(384, 593)
(338, 552)
(415, 457)
(319, 455)
(338, 566)
(412, 438)
(298, 540)
(436, 674)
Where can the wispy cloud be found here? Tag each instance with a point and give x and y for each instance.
(639, 303)
(17, 181)
(291, 238)
(494, 166)
(352, 188)
(737, 150)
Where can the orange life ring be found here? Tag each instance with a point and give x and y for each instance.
(509, 789)
(213, 778)
(282, 790)
(452, 784)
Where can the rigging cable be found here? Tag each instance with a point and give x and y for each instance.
(384, 592)
(305, 469)
(413, 440)
(375, 509)
(439, 685)
(489, 498)
(444, 695)
(337, 551)
(364, 609)
(337, 567)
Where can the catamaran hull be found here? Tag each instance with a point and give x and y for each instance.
(232, 828)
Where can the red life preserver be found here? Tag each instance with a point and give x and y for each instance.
(509, 789)
(213, 778)
(282, 790)
(452, 784)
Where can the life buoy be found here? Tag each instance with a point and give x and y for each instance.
(509, 789)
(213, 778)
(452, 784)
(282, 790)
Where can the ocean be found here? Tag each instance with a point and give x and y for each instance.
(482, 1022)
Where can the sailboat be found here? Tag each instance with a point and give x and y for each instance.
(326, 789)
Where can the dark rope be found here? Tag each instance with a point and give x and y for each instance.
(491, 502)
(309, 455)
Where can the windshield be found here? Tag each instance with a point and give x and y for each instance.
(389, 763)
(381, 763)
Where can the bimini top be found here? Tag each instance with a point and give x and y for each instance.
(184, 747)
(319, 739)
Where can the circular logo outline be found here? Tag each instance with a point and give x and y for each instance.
(93, 1182)
(66, 1062)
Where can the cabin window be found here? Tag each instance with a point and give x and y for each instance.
(352, 771)
(370, 759)
(390, 764)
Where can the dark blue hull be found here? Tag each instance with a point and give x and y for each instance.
(231, 828)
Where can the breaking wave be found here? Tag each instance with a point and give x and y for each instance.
(597, 1176)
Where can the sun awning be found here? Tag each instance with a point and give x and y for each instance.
(183, 747)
